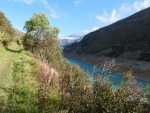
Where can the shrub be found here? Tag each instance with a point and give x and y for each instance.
(76, 91)
(100, 97)
(5, 25)
(5, 38)
(6, 30)
(48, 90)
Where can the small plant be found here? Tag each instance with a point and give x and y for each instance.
(5, 38)
(48, 96)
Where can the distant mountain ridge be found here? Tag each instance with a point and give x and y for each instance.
(64, 42)
(127, 38)
(68, 40)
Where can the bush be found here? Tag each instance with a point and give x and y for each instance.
(76, 91)
(5, 38)
(123, 100)
(5, 25)
(100, 97)
(48, 90)
(6, 30)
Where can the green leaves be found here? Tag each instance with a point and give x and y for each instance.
(37, 21)
(39, 32)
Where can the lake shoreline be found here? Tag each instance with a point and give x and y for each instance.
(140, 69)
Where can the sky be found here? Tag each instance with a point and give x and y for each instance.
(72, 16)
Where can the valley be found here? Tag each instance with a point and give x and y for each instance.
(126, 41)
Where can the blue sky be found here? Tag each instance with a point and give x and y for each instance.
(72, 16)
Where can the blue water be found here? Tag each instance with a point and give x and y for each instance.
(115, 78)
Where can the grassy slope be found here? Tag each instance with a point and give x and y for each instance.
(7, 61)
(7, 58)
(25, 77)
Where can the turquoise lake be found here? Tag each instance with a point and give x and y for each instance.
(115, 78)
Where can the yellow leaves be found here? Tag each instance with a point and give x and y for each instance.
(5, 25)
(128, 75)
(3, 35)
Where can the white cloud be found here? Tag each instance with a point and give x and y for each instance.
(123, 11)
(51, 11)
(107, 18)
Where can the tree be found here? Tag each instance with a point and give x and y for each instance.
(38, 30)
(38, 21)
(41, 39)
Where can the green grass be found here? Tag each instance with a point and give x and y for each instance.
(7, 60)
(17, 69)
(19, 82)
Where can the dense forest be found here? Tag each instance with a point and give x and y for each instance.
(35, 77)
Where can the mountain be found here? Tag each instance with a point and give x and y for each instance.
(128, 38)
(64, 42)
(68, 40)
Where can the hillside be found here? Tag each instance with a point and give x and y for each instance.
(35, 77)
(33, 72)
(128, 38)
(22, 74)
